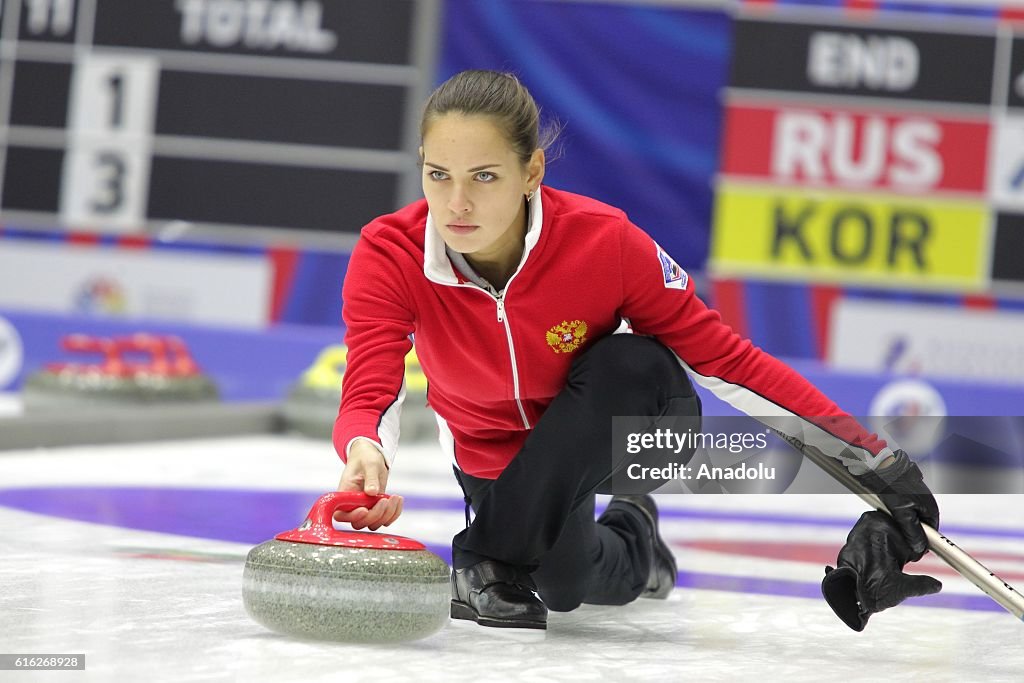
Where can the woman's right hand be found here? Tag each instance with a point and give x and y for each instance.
(366, 471)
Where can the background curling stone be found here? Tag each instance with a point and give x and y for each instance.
(321, 583)
(161, 379)
(62, 385)
(311, 406)
(197, 385)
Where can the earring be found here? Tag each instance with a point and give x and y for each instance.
(529, 195)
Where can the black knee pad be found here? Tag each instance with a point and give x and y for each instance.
(622, 362)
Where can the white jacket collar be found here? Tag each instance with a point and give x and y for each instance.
(438, 268)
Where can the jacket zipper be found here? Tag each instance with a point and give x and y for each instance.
(500, 299)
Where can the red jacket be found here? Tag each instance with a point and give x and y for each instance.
(494, 364)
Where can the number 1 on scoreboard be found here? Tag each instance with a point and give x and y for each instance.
(116, 83)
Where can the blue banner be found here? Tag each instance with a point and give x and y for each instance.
(636, 89)
(256, 365)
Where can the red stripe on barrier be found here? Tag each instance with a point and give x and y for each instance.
(982, 302)
(729, 301)
(1011, 13)
(822, 298)
(133, 242)
(285, 261)
(83, 238)
(861, 5)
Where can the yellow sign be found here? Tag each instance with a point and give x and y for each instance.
(850, 238)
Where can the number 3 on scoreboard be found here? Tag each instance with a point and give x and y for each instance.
(103, 188)
(106, 164)
(111, 181)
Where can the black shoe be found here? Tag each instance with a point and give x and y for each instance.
(663, 565)
(495, 594)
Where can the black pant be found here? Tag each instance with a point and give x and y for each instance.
(539, 513)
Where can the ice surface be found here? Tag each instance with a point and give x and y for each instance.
(133, 555)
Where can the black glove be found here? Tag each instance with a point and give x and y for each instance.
(869, 575)
(901, 487)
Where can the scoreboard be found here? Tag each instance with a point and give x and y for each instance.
(239, 119)
(883, 151)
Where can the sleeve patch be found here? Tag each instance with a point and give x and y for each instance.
(674, 276)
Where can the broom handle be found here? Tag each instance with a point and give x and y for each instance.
(950, 553)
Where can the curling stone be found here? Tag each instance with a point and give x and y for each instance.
(167, 374)
(59, 385)
(312, 403)
(321, 583)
